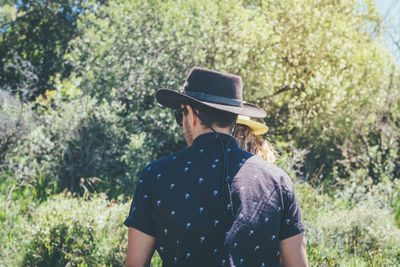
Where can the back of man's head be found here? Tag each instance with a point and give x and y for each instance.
(214, 117)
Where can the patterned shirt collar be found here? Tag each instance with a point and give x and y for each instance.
(212, 138)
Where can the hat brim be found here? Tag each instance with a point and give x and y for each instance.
(256, 127)
(173, 99)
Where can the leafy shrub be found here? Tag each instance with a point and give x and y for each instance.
(86, 232)
(15, 214)
(365, 231)
(28, 61)
(15, 122)
(353, 226)
(397, 207)
(61, 243)
(360, 188)
(78, 144)
(319, 103)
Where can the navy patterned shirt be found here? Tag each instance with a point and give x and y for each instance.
(183, 201)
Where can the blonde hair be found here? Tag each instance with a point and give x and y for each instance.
(254, 144)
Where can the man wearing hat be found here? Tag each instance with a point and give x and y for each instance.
(213, 204)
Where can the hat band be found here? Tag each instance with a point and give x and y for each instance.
(215, 99)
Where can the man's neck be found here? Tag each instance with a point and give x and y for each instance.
(205, 130)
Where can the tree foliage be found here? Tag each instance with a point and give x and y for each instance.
(328, 86)
(78, 115)
(313, 65)
(34, 37)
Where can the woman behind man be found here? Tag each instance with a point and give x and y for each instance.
(248, 136)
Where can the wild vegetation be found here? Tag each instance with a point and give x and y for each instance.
(78, 118)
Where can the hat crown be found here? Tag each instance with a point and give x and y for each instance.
(214, 83)
(213, 89)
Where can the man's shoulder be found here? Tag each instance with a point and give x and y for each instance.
(158, 166)
(266, 172)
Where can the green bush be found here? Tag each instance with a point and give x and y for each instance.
(397, 207)
(15, 215)
(61, 243)
(78, 144)
(324, 83)
(84, 232)
(16, 120)
(355, 226)
(360, 188)
(364, 234)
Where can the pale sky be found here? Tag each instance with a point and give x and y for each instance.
(390, 11)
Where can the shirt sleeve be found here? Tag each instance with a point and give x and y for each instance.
(291, 218)
(141, 211)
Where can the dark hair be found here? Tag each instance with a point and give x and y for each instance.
(210, 116)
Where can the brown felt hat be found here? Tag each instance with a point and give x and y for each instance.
(211, 88)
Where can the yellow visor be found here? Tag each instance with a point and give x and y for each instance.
(256, 127)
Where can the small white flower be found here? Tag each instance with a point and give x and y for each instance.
(229, 150)
(215, 192)
(266, 219)
(172, 186)
(277, 253)
(186, 169)
(241, 215)
(241, 188)
(165, 231)
(228, 206)
(158, 176)
(216, 222)
(172, 213)
(213, 166)
(187, 255)
(240, 164)
(262, 264)
(145, 196)
(251, 232)
(287, 221)
(255, 203)
(175, 259)
(279, 209)
(161, 249)
(200, 180)
(188, 225)
(223, 262)
(140, 181)
(216, 160)
(273, 237)
(189, 162)
(158, 203)
(201, 150)
(215, 251)
(201, 209)
(174, 157)
(241, 260)
(256, 248)
(235, 245)
(202, 239)
(187, 195)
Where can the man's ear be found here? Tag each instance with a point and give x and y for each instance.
(196, 119)
(190, 116)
